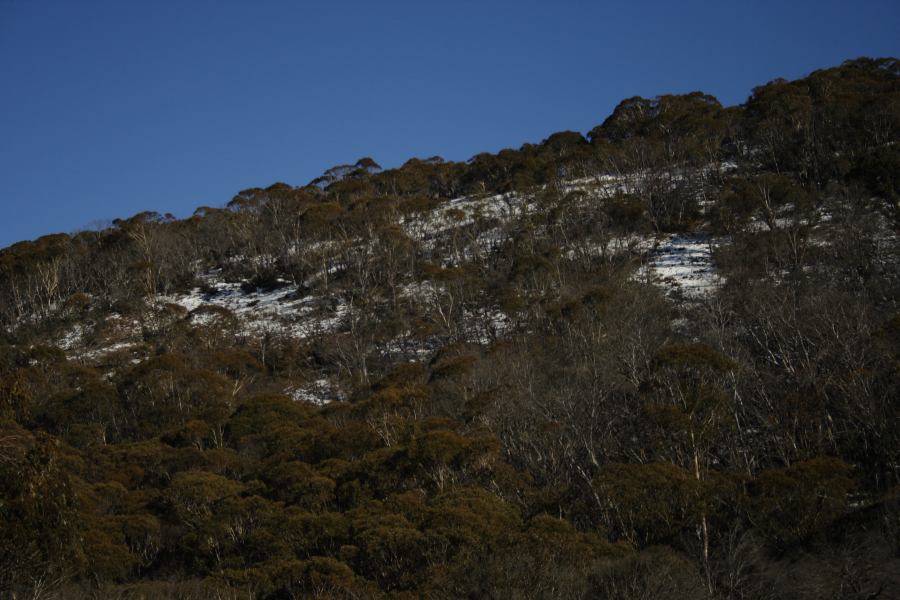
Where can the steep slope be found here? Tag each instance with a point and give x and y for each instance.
(659, 360)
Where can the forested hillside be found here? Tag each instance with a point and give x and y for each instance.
(656, 361)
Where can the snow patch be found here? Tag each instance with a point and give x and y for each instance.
(682, 264)
(319, 392)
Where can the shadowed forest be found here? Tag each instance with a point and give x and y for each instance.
(496, 378)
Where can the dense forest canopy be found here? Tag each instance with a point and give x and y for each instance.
(462, 380)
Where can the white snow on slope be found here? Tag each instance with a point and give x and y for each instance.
(682, 264)
(260, 311)
(462, 212)
(319, 392)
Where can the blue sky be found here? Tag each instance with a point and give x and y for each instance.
(111, 108)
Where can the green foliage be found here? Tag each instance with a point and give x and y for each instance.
(790, 504)
(649, 503)
(38, 512)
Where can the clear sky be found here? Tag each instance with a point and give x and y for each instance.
(111, 108)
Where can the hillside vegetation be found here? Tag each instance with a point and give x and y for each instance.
(657, 361)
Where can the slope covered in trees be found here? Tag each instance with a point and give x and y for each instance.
(463, 380)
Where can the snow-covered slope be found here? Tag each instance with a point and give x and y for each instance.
(681, 264)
